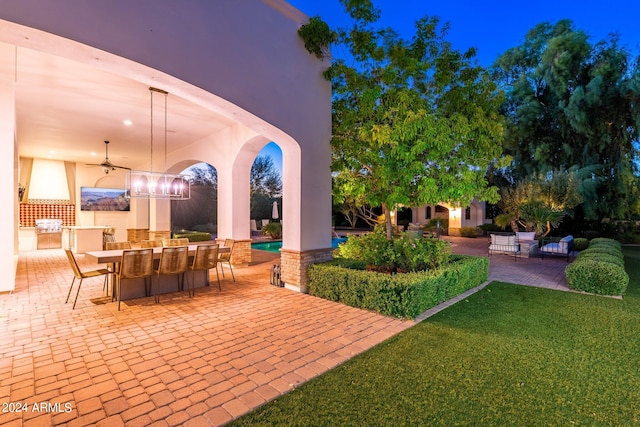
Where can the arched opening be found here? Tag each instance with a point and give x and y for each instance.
(266, 192)
(200, 212)
(404, 217)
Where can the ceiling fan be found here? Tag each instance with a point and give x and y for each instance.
(106, 163)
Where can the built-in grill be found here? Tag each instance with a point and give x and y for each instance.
(49, 233)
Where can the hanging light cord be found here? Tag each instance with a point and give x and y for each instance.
(165, 130)
(153, 89)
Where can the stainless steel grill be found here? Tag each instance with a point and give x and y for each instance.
(49, 233)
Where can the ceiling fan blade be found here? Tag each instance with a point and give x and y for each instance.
(106, 163)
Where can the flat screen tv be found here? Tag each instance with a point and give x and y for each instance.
(104, 199)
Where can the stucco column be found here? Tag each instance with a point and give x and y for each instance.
(306, 209)
(234, 208)
(159, 219)
(9, 178)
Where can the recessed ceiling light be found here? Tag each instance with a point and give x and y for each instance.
(127, 122)
(93, 153)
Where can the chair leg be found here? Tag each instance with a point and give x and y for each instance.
(153, 291)
(119, 292)
(231, 268)
(69, 294)
(77, 293)
(189, 283)
(218, 277)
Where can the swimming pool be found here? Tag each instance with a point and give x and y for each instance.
(275, 246)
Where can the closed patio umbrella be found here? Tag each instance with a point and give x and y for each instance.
(274, 211)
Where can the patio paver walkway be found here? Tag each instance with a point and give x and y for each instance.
(186, 361)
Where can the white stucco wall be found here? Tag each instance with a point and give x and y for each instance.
(242, 59)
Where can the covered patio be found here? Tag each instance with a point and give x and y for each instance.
(205, 360)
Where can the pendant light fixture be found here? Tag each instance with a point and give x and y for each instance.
(158, 185)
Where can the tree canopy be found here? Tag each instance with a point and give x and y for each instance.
(414, 121)
(571, 103)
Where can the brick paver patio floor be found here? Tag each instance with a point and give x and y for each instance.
(186, 361)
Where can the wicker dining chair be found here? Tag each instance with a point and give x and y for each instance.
(151, 243)
(113, 267)
(173, 260)
(81, 275)
(225, 257)
(205, 259)
(135, 264)
(175, 242)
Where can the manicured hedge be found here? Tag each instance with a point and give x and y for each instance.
(580, 243)
(193, 236)
(403, 295)
(603, 241)
(599, 269)
(597, 277)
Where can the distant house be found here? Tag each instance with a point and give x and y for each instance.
(473, 215)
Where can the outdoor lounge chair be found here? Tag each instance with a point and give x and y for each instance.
(563, 248)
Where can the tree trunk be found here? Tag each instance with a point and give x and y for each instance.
(387, 221)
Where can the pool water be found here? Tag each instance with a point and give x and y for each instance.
(276, 246)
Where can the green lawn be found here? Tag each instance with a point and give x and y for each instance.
(509, 355)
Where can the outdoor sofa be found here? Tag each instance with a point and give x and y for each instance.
(504, 243)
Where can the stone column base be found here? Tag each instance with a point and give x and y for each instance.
(241, 251)
(136, 235)
(294, 266)
(159, 235)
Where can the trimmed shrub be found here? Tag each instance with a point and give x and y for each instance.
(468, 232)
(403, 295)
(402, 253)
(580, 243)
(598, 277)
(603, 241)
(193, 236)
(599, 269)
(603, 257)
(490, 227)
(603, 250)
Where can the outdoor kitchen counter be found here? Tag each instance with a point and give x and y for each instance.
(84, 239)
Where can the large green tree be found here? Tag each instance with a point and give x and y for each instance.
(414, 121)
(571, 103)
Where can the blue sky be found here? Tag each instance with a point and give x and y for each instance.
(494, 26)
(491, 26)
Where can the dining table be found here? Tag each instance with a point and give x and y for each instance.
(135, 288)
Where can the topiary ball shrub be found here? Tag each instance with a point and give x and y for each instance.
(597, 277)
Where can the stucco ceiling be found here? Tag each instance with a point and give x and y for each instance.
(66, 110)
